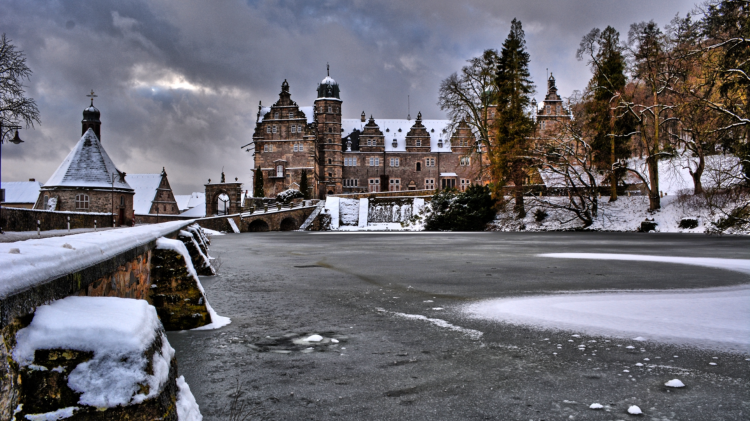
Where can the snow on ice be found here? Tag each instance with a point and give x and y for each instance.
(674, 383)
(737, 265)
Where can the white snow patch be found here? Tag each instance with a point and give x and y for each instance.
(211, 232)
(313, 338)
(187, 407)
(117, 330)
(596, 406)
(179, 247)
(674, 383)
(471, 333)
(711, 318)
(634, 410)
(60, 414)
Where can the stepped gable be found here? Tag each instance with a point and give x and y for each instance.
(418, 138)
(87, 165)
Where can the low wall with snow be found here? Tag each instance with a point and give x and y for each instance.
(372, 213)
(15, 219)
(140, 263)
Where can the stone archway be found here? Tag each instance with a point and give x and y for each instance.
(258, 225)
(288, 224)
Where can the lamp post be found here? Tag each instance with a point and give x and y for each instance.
(5, 129)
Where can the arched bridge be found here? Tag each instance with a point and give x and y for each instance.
(285, 219)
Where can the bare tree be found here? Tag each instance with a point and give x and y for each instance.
(470, 95)
(14, 106)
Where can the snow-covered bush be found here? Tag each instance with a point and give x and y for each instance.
(471, 210)
(288, 195)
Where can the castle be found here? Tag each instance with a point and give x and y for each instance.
(368, 155)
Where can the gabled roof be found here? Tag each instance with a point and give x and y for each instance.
(189, 201)
(390, 129)
(87, 165)
(145, 186)
(21, 191)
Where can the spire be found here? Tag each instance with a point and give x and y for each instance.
(91, 118)
(328, 70)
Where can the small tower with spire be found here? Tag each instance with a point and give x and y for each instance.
(91, 118)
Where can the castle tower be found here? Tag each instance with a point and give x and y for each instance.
(91, 118)
(553, 113)
(328, 119)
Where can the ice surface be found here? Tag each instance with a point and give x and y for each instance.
(117, 330)
(471, 333)
(45, 259)
(187, 407)
(737, 265)
(713, 318)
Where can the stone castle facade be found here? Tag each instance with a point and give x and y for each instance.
(368, 155)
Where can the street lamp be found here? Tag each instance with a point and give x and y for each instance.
(4, 129)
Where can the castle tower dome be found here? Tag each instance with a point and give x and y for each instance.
(328, 88)
(91, 118)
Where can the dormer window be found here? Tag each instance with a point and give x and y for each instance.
(291, 114)
(419, 143)
(273, 129)
(276, 116)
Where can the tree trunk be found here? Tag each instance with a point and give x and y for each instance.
(698, 173)
(613, 181)
(518, 206)
(654, 201)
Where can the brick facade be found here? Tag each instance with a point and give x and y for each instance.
(354, 156)
(91, 200)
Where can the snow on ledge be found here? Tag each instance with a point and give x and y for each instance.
(117, 330)
(28, 263)
(179, 247)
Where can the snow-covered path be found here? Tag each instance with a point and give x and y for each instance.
(717, 318)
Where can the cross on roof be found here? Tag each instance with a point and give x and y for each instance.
(92, 96)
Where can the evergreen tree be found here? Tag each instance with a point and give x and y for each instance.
(258, 184)
(471, 210)
(604, 53)
(303, 186)
(513, 123)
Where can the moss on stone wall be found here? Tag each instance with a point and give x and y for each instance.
(175, 294)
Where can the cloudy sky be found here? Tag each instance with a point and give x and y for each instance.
(178, 82)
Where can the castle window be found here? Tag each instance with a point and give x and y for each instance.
(429, 183)
(394, 184)
(419, 166)
(374, 184)
(267, 148)
(330, 109)
(294, 129)
(374, 162)
(274, 129)
(295, 147)
(122, 201)
(330, 175)
(291, 114)
(276, 116)
(45, 202)
(559, 108)
(82, 201)
(279, 171)
(394, 162)
(350, 162)
(548, 109)
(465, 184)
(543, 125)
(329, 161)
(351, 182)
(330, 141)
(268, 129)
(330, 130)
(429, 162)
(465, 161)
(419, 142)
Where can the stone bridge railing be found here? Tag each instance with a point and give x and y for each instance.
(270, 218)
(154, 264)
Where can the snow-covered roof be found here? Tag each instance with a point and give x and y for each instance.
(87, 165)
(328, 81)
(390, 129)
(182, 201)
(307, 110)
(21, 191)
(145, 186)
(448, 174)
(198, 211)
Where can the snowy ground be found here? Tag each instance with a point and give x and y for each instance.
(11, 236)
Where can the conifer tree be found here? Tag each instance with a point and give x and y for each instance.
(258, 184)
(303, 186)
(609, 135)
(513, 123)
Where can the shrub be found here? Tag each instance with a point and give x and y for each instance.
(467, 211)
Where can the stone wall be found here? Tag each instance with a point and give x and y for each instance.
(99, 201)
(14, 219)
(405, 193)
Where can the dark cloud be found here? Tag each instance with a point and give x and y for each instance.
(179, 81)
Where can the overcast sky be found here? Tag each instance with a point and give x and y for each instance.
(178, 82)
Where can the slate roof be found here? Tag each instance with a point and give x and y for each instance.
(87, 165)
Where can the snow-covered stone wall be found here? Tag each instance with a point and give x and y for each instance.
(373, 212)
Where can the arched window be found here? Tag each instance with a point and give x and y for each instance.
(82, 201)
(329, 161)
(419, 166)
(223, 204)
